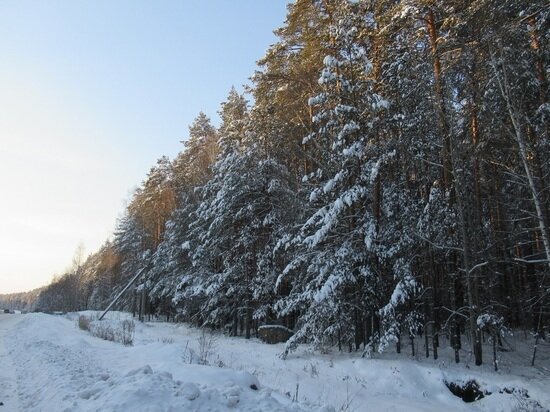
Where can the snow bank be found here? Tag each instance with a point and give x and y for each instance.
(62, 368)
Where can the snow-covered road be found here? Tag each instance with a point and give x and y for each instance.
(48, 364)
(8, 384)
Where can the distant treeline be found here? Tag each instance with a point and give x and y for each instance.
(24, 301)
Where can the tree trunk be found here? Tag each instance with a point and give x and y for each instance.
(434, 340)
(433, 36)
(426, 340)
(539, 63)
(235, 321)
(248, 320)
(470, 272)
(398, 343)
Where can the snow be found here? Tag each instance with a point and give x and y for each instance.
(330, 61)
(335, 180)
(281, 327)
(328, 287)
(7, 369)
(406, 11)
(78, 372)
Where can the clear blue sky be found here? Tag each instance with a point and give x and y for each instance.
(91, 94)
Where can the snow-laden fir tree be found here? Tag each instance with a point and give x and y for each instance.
(232, 236)
(338, 275)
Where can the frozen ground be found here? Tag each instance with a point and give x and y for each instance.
(48, 364)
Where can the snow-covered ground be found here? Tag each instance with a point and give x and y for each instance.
(8, 386)
(48, 364)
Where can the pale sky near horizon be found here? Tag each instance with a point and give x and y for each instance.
(91, 94)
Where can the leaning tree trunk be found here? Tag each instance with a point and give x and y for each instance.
(517, 134)
(522, 149)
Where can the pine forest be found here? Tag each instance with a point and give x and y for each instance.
(383, 181)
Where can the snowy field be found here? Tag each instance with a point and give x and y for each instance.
(48, 364)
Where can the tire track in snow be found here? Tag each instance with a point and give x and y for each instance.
(51, 374)
(8, 381)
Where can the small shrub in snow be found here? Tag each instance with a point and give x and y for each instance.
(121, 331)
(312, 370)
(103, 331)
(189, 355)
(367, 352)
(84, 322)
(127, 332)
(346, 405)
(206, 347)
